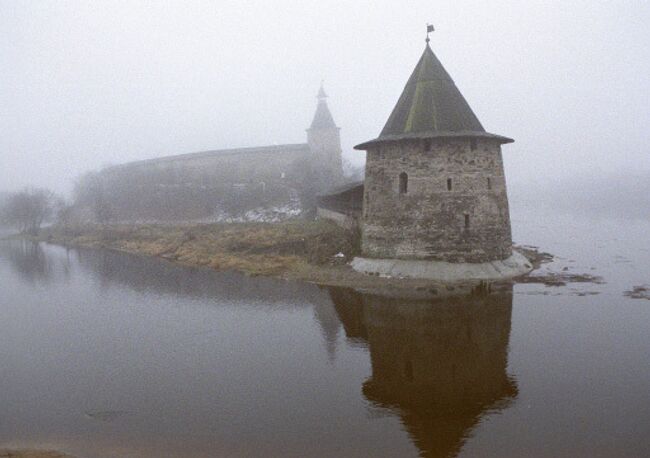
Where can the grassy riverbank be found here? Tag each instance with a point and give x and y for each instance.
(313, 251)
(254, 248)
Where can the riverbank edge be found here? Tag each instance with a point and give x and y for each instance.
(315, 252)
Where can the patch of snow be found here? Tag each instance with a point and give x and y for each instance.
(272, 214)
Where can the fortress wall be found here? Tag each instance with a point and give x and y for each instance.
(428, 221)
(194, 186)
(343, 220)
(219, 168)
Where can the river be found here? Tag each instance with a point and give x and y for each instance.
(105, 354)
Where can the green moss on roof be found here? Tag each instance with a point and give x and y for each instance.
(431, 102)
(431, 106)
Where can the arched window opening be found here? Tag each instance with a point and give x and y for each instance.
(449, 184)
(403, 183)
(466, 221)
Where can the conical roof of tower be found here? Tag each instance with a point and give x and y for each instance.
(322, 118)
(431, 106)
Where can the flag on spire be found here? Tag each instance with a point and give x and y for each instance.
(429, 30)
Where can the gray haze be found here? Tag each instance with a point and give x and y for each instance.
(86, 84)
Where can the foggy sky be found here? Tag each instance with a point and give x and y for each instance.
(87, 83)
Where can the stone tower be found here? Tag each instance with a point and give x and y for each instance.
(324, 139)
(435, 188)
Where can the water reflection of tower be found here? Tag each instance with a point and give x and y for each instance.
(441, 365)
(328, 321)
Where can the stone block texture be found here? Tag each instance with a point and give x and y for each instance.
(451, 204)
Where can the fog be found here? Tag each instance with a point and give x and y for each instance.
(86, 84)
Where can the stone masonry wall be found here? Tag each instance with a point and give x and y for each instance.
(428, 221)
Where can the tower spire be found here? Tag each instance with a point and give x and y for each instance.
(322, 118)
(431, 105)
(322, 95)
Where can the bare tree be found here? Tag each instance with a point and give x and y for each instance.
(62, 211)
(27, 209)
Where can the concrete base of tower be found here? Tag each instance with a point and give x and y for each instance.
(445, 272)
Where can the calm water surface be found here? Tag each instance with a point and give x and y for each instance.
(112, 355)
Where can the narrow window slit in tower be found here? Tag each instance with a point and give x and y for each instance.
(473, 144)
(403, 183)
(466, 221)
(448, 184)
(489, 183)
(427, 144)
